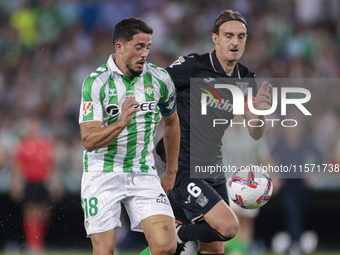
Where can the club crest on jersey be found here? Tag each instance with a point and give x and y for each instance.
(112, 110)
(87, 108)
(87, 224)
(171, 104)
(243, 86)
(149, 89)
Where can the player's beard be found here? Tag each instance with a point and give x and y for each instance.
(133, 72)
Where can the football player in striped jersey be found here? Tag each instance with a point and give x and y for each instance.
(122, 103)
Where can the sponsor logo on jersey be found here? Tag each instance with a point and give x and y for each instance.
(94, 74)
(209, 79)
(148, 106)
(112, 92)
(162, 199)
(243, 86)
(149, 89)
(101, 69)
(86, 108)
(188, 200)
(202, 200)
(130, 92)
(112, 110)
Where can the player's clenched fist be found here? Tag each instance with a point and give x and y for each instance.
(263, 98)
(129, 107)
(168, 181)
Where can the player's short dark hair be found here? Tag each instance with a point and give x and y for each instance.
(127, 28)
(225, 16)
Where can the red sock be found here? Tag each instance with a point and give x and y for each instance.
(34, 233)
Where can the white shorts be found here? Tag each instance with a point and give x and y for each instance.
(102, 194)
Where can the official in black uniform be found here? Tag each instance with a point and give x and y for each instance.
(205, 201)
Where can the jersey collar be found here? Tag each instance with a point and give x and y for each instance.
(114, 68)
(218, 68)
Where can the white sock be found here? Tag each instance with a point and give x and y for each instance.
(178, 239)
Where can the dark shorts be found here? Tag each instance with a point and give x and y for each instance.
(36, 193)
(196, 196)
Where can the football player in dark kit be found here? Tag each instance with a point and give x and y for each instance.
(205, 200)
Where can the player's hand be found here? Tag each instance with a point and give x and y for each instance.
(168, 181)
(129, 107)
(263, 98)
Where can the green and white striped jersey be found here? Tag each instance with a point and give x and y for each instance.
(103, 94)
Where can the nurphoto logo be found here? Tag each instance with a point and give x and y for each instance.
(238, 105)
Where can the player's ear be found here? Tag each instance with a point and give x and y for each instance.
(119, 47)
(214, 38)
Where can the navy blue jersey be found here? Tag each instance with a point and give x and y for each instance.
(210, 141)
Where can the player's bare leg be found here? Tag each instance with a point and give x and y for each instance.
(211, 248)
(218, 225)
(160, 233)
(224, 221)
(103, 243)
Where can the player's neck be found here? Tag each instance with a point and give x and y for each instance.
(228, 66)
(122, 67)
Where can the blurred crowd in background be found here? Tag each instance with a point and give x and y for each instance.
(48, 47)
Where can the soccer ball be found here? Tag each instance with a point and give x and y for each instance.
(250, 187)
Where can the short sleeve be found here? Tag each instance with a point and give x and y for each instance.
(181, 69)
(90, 107)
(167, 102)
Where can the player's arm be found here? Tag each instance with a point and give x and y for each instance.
(171, 138)
(94, 136)
(171, 134)
(263, 101)
(180, 72)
